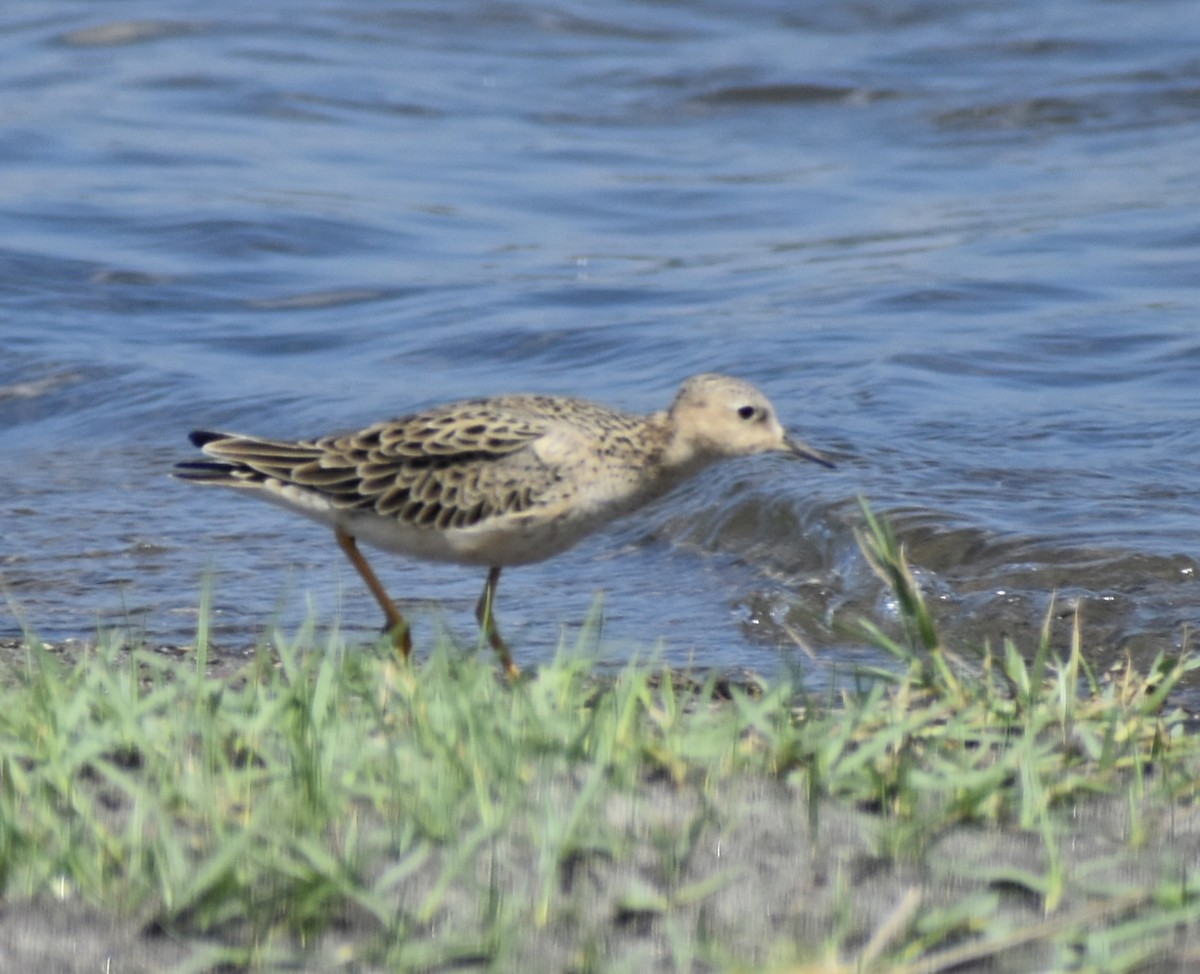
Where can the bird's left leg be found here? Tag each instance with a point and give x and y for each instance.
(484, 612)
(396, 623)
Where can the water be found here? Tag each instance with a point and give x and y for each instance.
(956, 243)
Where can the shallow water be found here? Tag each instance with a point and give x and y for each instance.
(958, 246)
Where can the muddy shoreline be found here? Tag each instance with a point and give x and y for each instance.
(764, 874)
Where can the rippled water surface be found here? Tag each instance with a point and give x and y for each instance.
(958, 243)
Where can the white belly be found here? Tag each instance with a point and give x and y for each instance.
(510, 542)
(512, 539)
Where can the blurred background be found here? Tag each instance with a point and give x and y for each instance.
(958, 244)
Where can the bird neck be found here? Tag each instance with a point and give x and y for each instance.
(681, 455)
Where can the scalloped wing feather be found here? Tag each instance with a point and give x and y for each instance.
(447, 468)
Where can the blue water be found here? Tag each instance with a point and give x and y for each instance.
(957, 243)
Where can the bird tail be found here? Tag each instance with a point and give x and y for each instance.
(241, 461)
(208, 472)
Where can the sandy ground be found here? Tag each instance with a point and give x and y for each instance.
(741, 868)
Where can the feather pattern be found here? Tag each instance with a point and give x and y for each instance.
(456, 466)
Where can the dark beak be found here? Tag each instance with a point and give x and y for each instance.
(806, 452)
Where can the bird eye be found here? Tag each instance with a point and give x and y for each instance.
(746, 412)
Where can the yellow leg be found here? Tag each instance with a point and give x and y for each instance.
(395, 621)
(487, 622)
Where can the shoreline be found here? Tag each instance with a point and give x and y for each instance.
(689, 860)
(337, 809)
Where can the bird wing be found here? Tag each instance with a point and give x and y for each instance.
(451, 467)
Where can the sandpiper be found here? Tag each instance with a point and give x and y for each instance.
(507, 480)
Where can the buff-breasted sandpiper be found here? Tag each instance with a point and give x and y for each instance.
(496, 482)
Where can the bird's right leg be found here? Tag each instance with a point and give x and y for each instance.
(485, 613)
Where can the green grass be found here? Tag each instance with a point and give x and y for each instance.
(333, 808)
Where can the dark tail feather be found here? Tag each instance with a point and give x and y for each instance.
(206, 472)
(201, 438)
